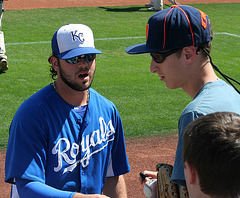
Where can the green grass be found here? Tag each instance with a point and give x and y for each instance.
(146, 106)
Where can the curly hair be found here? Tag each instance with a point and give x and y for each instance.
(53, 73)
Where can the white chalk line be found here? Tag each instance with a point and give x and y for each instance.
(117, 38)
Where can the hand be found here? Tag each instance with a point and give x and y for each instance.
(150, 175)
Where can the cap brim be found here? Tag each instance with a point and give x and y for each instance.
(140, 49)
(78, 51)
(137, 49)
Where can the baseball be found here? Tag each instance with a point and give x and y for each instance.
(149, 188)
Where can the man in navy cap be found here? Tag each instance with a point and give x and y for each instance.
(179, 42)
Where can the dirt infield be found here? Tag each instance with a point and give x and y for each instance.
(143, 153)
(32, 4)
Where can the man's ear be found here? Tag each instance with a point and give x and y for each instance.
(189, 53)
(190, 173)
(55, 63)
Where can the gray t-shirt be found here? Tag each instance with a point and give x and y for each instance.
(216, 96)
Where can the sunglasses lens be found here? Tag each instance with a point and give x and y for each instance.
(157, 58)
(90, 57)
(77, 59)
(73, 60)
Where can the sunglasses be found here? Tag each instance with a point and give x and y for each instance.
(159, 57)
(88, 58)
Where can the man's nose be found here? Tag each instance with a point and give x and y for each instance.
(153, 67)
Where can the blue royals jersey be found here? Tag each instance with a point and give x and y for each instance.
(50, 143)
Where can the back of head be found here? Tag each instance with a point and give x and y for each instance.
(212, 146)
(174, 28)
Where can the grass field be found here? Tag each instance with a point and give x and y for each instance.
(146, 106)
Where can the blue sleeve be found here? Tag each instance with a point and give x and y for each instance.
(39, 190)
(27, 145)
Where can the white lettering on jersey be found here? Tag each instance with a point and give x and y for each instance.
(99, 137)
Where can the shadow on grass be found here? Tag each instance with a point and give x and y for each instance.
(125, 9)
(2, 72)
(130, 9)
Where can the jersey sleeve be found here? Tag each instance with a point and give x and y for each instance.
(39, 190)
(26, 151)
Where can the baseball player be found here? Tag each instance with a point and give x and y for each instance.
(3, 57)
(157, 5)
(179, 43)
(67, 140)
(211, 155)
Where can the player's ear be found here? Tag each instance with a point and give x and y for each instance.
(54, 62)
(189, 54)
(190, 173)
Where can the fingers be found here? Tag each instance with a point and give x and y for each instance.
(151, 174)
(146, 175)
(143, 177)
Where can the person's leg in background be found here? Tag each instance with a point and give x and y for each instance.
(3, 57)
(150, 4)
(158, 5)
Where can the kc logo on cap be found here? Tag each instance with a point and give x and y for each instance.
(77, 35)
(73, 40)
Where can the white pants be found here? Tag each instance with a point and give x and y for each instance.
(2, 43)
(2, 46)
(158, 4)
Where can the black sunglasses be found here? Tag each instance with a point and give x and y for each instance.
(88, 58)
(159, 57)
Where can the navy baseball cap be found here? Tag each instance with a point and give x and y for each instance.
(174, 28)
(73, 40)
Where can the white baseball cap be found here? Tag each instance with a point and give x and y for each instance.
(73, 40)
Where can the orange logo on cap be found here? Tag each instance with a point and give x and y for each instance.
(203, 19)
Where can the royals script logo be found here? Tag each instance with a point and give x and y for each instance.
(100, 137)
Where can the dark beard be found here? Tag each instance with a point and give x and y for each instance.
(71, 83)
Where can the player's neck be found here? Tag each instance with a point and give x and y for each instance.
(75, 98)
